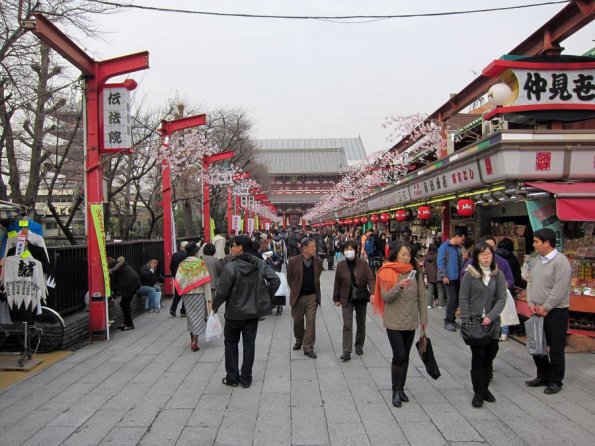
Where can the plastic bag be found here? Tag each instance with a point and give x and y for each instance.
(213, 331)
(536, 344)
(509, 315)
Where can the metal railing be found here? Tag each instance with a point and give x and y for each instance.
(69, 264)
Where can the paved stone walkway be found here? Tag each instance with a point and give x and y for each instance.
(146, 387)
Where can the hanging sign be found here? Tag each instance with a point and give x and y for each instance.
(117, 129)
(221, 178)
(542, 214)
(236, 223)
(241, 190)
(250, 225)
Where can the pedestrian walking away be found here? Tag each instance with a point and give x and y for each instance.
(303, 277)
(482, 298)
(246, 286)
(352, 274)
(435, 286)
(400, 298)
(176, 258)
(548, 296)
(193, 284)
(450, 263)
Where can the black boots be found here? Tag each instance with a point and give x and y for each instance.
(398, 377)
(487, 395)
(479, 387)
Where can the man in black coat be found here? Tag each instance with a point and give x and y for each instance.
(176, 259)
(246, 286)
(125, 280)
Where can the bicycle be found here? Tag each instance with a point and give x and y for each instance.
(44, 335)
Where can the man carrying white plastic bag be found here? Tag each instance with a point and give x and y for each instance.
(214, 330)
(246, 286)
(548, 296)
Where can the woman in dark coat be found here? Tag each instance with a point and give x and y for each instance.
(481, 298)
(435, 287)
(352, 271)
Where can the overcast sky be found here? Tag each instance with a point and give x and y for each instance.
(318, 79)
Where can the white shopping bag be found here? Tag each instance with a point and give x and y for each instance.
(509, 315)
(283, 289)
(214, 330)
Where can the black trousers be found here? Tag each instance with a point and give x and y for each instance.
(125, 306)
(452, 301)
(400, 343)
(175, 302)
(330, 260)
(551, 368)
(232, 332)
(483, 356)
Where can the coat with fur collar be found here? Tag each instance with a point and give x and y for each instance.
(475, 296)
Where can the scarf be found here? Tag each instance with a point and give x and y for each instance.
(386, 278)
(192, 273)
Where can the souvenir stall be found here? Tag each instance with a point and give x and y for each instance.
(23, 280)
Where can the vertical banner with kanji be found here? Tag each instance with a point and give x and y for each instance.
(250, 228)
(117, 126)
(236, 223)
(97, 215)
(542, 214)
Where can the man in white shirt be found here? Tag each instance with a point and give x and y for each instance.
(548, 296)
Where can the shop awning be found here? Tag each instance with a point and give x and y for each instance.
(574, 201)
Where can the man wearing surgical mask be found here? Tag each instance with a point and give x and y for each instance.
(352, 273)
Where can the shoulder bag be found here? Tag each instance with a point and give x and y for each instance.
(358, 294)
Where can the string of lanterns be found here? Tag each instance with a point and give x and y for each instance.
(465, 208)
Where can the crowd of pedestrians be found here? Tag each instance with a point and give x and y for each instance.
(468, 281)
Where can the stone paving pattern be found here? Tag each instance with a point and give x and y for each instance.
(146, 387)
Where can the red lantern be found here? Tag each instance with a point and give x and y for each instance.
(384, 217)
(364, 220)
(466, 207)
(401, 215)
(349, 221)
(424, 213)
(374, 218)
(356, 220)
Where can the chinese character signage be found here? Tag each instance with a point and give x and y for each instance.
(240, 190)
(451, 180)
(555, 87)
(545, 85)
(117, 131)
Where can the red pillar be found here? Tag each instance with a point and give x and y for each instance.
(229, 209)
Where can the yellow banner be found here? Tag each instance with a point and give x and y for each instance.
(97, 214)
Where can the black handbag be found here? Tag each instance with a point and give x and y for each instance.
(475, 335)
(360, 294)
(426, 353)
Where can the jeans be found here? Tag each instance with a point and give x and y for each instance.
(452, 301)
(551, 368)
(151, 294)
(436, 288)
(231, 332)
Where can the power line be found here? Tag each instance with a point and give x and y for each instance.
(327, 18)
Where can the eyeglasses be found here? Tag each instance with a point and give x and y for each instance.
(485, 254)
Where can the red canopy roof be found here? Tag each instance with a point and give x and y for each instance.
(575, 201)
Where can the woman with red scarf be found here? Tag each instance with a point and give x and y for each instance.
(400, 300)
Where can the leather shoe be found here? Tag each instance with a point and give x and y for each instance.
(537, 382)
(552, 389)
(359, 351)
(310, 355)
(345, 357)
(450, 327)
(297, 346)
